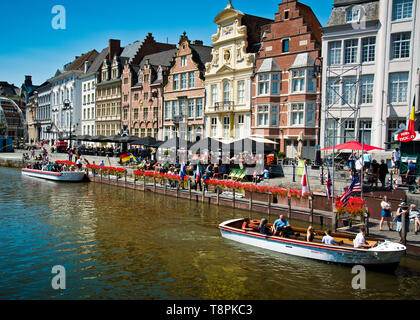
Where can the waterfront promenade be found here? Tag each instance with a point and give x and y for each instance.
(254, 206)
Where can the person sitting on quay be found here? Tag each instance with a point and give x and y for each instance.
(310, 234)
(402, 209)
(360, 241)
(327, 239)
(415, 215)
(281, 227)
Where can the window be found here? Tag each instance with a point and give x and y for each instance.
(136, 97)
(125, 114)
(394, 126)
(297, 114)
(213, 94)
(349, 90)
(334, 52)
(126, 98)
(167, 110)
(286, 14)
(241, 92)
(350, 51)
(226, 92)
(136, 113)
(333, 91)
(136, 132)
(183, 81)
(240, 127)
(366, 130)
(191, 80)
(176, 82)
(285, 45)
(182, 108)
(146, 96)
(400, 45)
(143, 133)
(368, 49)
(298, 81)
(398, 87)
(149, 132)
(402, 9)
(263, 84)
(226, 126)
(275, 83)
(183, 61)
(352, 14)
(199, 108)
(125, 80)
(213, 126)
(366, 90)
(190, 108)
(274, 116)
(349, 131)
(263, 116)
(174, 108)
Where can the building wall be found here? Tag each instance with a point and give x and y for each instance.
(88, 105)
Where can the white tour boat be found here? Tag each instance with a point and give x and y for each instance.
(67, 176)
(383, 254)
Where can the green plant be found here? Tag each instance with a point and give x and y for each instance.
(166, 153)
(281, 155)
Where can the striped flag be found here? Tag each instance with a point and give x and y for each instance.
(355, 186)
(305, 187)
(329, 184)
(198, 173)
(183, 171)
(412, 120)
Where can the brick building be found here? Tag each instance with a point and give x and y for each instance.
(184, 93)
(286, 95)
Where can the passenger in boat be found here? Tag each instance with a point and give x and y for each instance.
(360, 241)
(327, 239)
(310, 234)
(263, 228)
(246, 226)
(386, 213)
(281, 227)
(79, 163)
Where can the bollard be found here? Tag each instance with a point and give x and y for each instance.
(269, 204)
(189, 187)
(294, 169)
(392, 181)
(125, 179)
(334, 222)
(250, 201)
(289, 209)
(154, 184)
(404, 228)
(144, 182)
(218, 196)
(165, 181)
(322, 175)
(101, 175)
(204, 194)
(234, 198)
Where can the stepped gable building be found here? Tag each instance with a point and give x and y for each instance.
(130, 88)
(146, 104)
(370, 70)
(66, 85)
(184, 93)
(228, 75)
(286, 94)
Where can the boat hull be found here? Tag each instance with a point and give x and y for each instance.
(55, 176)
(387, 254)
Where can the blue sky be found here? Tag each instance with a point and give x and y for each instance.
(30, 45)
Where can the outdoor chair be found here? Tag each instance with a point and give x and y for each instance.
(233, 173)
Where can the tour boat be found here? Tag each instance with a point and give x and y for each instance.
(384, 254)
(68, 176)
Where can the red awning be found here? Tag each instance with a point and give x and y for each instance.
(353, 145)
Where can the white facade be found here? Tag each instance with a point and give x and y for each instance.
(66, 86)
(43, 113)
(88, 105)
(370, 65)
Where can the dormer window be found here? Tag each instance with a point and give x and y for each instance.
(353, 14)
(286, 14)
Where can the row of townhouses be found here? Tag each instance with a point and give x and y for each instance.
(286, 79)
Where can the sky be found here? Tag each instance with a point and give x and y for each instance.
(31, 46)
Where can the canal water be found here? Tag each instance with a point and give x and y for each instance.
(125, 244)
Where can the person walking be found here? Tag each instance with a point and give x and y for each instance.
(411, 176)
(383, 171)
(386, 213)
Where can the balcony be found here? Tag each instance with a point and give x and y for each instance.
(223, 106)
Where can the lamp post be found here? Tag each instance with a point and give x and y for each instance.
(318, 73)
(67, 106)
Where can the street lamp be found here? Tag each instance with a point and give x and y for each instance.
(318, 73)
(67, 106)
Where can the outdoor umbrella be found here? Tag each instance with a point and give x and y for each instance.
(207, 144)
(115, 138)
(250, 145)
(353, 145)
(146, 141)
(83, 138)
(128, 139)
(98, 138)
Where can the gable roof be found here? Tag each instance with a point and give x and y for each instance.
(204, 52)
(269, 65)
(97, 63)
(303, 60)
(79, 62)
(163, 58)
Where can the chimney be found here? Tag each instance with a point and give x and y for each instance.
(198, 42)
(86, 66)
(114, 48)
(28, 80)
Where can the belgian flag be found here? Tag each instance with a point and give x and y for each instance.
(412, 121)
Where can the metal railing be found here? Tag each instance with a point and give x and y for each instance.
(224, 106)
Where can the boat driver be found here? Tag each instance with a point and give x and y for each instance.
(359, 241)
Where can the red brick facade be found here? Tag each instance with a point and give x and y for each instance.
(286, 95)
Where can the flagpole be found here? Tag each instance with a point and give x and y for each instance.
(333, 184)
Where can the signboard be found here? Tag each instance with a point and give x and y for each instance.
(406, 136)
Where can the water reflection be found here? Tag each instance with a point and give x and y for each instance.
(124, 244)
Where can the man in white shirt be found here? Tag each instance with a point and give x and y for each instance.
(359, 241)
(414, 214)
(327, 239)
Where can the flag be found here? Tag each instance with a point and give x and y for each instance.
(412, 121)
(329, 184)
(198, 173)
(125, 157)
(183, 171)
(305, 187)
(132, 158)
(355, 186)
